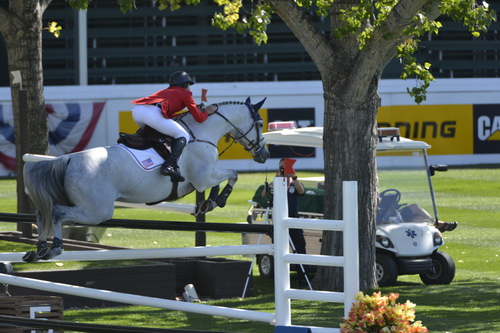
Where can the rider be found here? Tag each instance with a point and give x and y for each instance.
(157, 111)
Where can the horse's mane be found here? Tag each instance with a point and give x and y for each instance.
(252, 108)
(230, 102)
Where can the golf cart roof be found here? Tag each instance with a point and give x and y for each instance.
(313, 137)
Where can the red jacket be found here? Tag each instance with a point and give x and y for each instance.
(174, 99)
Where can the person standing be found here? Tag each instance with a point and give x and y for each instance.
(295, 189)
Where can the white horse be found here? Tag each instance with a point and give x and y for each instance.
(82, 187)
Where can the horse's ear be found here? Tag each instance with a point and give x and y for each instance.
(257, 106)
(248, 101)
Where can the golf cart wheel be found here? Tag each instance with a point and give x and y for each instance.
(443, 269)
(266, 266)
(386, 270)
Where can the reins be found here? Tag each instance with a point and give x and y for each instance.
(240, 135)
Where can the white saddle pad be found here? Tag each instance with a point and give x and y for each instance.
(148, 159)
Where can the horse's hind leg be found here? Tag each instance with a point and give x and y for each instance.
(41, 245)
(43, 252)
(74, 214)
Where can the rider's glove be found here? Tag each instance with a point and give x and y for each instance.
(202, 107)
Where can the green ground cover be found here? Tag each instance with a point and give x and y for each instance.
(471, 303)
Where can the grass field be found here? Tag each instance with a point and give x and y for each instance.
(471, 303)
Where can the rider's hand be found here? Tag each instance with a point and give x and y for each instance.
(210, 109)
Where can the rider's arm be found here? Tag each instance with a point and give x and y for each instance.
(198, 115)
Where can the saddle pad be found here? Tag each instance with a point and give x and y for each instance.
(147, 159)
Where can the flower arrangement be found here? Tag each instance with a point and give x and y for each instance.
(381, 314)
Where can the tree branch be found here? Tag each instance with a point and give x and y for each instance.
(44, 4)
(305, 30)
(381, 48)
(348, 45)
(399, 19)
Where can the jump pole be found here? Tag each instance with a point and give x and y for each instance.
(201, 251)
(137, 300)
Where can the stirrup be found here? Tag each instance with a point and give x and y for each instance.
(169, 170)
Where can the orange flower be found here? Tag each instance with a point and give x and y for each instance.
(379, 313)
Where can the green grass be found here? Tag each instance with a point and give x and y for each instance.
(471, 303)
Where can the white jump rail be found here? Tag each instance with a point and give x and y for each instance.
(136, 254)
(137, 299)
(280, 250)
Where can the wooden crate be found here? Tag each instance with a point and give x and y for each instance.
(19, 306)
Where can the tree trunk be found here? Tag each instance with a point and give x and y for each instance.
(23, 40)
(349, 143)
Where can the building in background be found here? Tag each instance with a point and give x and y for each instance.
(145, 45)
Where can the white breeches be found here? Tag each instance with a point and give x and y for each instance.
(151, 115)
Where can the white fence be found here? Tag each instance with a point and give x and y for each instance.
(283, 258)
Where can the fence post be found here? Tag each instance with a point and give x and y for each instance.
(351, 240)
(281, 247)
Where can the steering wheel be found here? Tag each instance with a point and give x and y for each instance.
(391, 192)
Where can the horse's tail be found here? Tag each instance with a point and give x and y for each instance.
(44, 183)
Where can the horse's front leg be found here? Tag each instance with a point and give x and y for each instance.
(213, 180)
(224, 194)
(210, 203)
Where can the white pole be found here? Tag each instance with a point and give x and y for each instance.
(351, 247)
(168, 206)
(200, 251)
(136, 299)
(281, 248)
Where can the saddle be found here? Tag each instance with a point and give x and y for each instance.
(145, 138)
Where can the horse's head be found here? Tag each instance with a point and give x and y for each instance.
(247, 131)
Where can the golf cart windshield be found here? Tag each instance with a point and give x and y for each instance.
(404, 192)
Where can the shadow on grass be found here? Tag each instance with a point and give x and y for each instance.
(465, 306)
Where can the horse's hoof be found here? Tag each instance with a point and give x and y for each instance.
(221, 202)
(44, 254)
(30, 256)
(55, 251)
(197, 210)
(207, 206)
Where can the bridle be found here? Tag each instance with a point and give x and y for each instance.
(250, 144)
(256, 123)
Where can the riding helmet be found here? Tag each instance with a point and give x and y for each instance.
(179, 79)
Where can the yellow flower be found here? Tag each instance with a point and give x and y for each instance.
(55, 29)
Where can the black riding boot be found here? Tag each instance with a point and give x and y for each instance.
(170, 168)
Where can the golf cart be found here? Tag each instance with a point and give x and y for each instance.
(408, 231)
